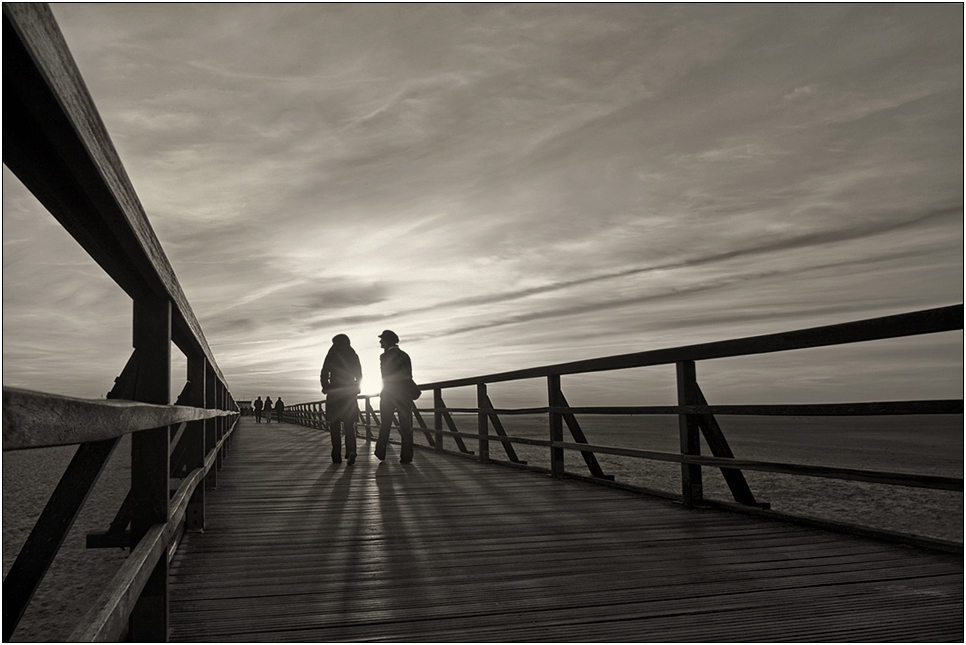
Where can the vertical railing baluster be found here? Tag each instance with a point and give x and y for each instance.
(220, 404)
(195, 439)
(691, 487)
(438, 417)
(482, 422)
(149, 462)
(370, 415)
(211, 425)
(556, 425)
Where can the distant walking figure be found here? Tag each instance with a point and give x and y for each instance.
(341, 373)
(279, 409)
(257, 405)
(268, 409)
(396, 396)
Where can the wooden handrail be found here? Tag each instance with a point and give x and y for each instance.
(55, 142)
(39, 420)
(876, 408)
(107, 618)
(929, 321)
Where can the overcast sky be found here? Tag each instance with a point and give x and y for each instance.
(508, 186)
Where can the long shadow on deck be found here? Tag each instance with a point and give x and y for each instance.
(299, 549)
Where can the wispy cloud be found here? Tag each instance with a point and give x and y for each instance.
(505, 185)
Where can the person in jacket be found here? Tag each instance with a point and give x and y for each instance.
(396, 396)
(268, 409)
(279, 409)
(257, 406)
(340, 377)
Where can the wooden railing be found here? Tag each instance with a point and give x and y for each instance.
(55, 142)
(696, 417)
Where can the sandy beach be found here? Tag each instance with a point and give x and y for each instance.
(78, 574)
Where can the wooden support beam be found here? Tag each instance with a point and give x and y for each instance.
(451, 424)
(438, 417)
(501, 432)
(482, 423)
(578, 434)
(109, 540)
(107, 620)
(692, 491)
(422, 424)
(150, 467)
(194, 440)
(720, 448)
(211, 425)
(48, 534)
(555, 400)
(372, 418)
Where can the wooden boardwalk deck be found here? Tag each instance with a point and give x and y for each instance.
(300, 549)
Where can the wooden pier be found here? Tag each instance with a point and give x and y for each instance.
(297, 548)
(246, 532)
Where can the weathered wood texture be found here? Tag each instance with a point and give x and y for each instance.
(108, 618)
(298, 549)
(36, 419)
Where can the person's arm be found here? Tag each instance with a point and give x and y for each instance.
(325, 376)
(356, 368)
(407, 366)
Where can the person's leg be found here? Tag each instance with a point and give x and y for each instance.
(406, 431)
(336, 442)
(350, 442)
(386, 409)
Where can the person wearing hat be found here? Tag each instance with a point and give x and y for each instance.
(340, 377)
(396, 396)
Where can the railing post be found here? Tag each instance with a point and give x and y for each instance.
(556, 425)
(150, 466)
(369, 415)
(482, 422)
(195, 438)
(219, 425)
(438, 417)
(691, 488)
(211, 425)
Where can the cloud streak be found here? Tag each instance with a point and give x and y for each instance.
(505, 185)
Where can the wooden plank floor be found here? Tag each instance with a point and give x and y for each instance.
(299, 549)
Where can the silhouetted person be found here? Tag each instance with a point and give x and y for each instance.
(341, 373)
(257, 405)
(279, 409)
(396, 396)
(268, 409)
